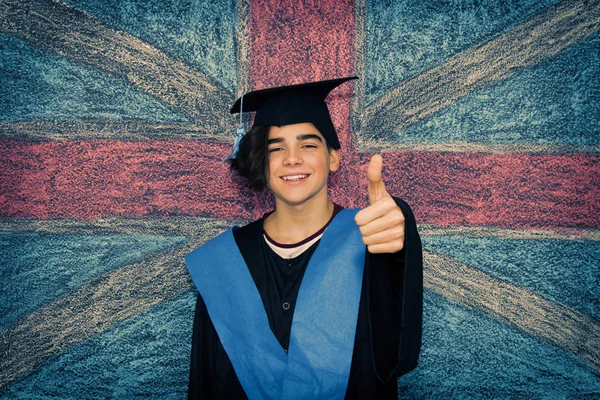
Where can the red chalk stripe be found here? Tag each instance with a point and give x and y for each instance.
(92, 179)
(503, 190)
(297, 41)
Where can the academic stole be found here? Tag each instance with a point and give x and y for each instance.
(317, 364)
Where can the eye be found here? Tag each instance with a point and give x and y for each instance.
(309, 146)
(274, 149)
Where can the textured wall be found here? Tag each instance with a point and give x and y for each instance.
(114, 122)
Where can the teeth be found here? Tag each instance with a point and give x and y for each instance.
(293, 177)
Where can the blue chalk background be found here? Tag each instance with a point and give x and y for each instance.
(466, 353)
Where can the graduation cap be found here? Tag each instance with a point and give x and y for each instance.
(292, 104)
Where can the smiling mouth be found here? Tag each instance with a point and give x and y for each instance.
(294, 177)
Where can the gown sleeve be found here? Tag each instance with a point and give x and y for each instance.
(211, 373)
(199, 356)
(394, 284)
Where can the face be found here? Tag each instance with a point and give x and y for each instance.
(299, 163)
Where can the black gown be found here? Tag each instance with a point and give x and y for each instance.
(388, 333)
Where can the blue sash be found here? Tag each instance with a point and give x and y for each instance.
(317, 365)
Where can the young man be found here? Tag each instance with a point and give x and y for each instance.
(294, 305)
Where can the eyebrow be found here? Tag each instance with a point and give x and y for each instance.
(305, 136)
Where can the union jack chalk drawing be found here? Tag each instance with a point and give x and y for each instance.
(114, 123)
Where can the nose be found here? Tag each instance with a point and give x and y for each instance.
(292, 157)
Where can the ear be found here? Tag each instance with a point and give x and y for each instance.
(335, 157)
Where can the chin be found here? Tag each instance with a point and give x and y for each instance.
(297, 196)
(296, 199)
(293, 201)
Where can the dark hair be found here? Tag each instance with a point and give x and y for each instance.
(252, 159)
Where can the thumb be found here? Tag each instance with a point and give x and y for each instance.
(376, 186)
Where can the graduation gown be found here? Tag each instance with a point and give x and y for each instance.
(388, 333)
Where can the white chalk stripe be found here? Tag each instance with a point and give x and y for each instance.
(551, 322)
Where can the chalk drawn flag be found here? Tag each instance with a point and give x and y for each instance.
(114, 123)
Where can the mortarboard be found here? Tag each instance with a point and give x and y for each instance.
(293, 104)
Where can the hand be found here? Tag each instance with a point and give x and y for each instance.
(382, 222)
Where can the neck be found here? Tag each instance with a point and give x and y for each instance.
(290, 224)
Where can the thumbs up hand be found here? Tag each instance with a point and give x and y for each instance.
(382, 222)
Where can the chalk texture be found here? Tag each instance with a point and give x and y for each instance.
(200, 33)
(68, 262)
(407, 37)
(538, 38)
(467, 355)
(114, 123)
(556, 102)
(38, 85)
(566, 272)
